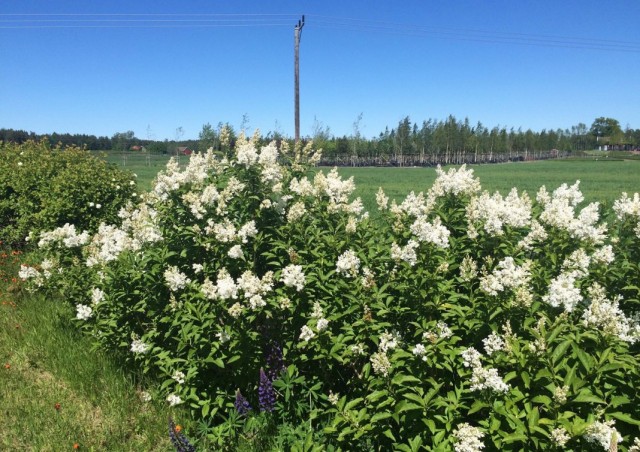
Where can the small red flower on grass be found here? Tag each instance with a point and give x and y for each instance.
(7, 366)
(76, 446)
(178, 428)
(57, 406)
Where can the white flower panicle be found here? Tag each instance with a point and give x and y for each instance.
(467, 438)
(407, 253)
(179, 377)
(175, 279)
(493, 343)
(483, 378)
(471, 357)
(348, 264)
(507, 275)
(306, 333)
(388, 341)
(433, 232)
(560, 436)
(83, 312)
(235, 252)
(577, 264)
(603, 433)
(174, 399)
(382, 200)
(139, 347)
(606, 316)
(97, 295)
(563, 292)
(293, 276)
(494, 212)
(65, 235)
(380, 363)
(456, 182)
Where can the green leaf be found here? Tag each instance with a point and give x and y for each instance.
(624, 418)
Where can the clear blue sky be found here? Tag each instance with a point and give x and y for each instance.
(153, 66)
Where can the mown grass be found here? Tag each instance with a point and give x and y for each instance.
(59, 394)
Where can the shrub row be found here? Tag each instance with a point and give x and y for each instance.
(267, 302)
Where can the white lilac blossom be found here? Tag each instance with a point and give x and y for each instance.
(83, 312)
(627, 207)
(467, 438)
(293, 276)
(174, 399)
(306, 333)
(175, 279)
(603, 433)
(348, 264)
(563, 292)
(138, 346)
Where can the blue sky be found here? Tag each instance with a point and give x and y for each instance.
(153, 66)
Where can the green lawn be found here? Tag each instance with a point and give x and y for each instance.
(601, 179)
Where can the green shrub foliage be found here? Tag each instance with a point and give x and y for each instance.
(263, 298)
(42, 188)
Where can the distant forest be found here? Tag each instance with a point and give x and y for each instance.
(445, 141)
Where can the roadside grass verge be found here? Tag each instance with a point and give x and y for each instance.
(59, 394)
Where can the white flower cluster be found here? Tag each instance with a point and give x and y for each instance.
(560, 436)
(293, 276)
(468, 269)
(563, 292)
(635, 447)
(537, 234)
(482, 378)
(179, 377)
(348, 264)
(628, 208)
(467, 438)
(141, 224)
(493, 343)
(442, 331)
(138, 346)
(434, 232)
(66, 235)
(413, 206)
(380, 363)
(107, 244)
(174, 399)
(507, 275)
(559, 212)
(97, 295)
(306, 333)
(195, 173)
(603, 433)
(406, 253)
(606, 316)
(26, 272)
(455, 182)
(175, 279)
(83, 312)
(494, 212)
(577, 264)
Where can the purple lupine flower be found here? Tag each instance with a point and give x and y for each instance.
(266, 393)
(241, 404)
(179, 441)
(275, 361)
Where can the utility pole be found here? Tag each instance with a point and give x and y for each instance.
(296, 67)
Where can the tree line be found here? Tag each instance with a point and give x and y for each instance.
(432, 141)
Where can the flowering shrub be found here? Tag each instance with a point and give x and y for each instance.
(42, 188)
(454, 320)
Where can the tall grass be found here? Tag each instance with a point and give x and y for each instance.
(57, 393)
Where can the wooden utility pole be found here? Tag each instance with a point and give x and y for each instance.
(296, 67)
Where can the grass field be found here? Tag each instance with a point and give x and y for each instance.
(601, 179)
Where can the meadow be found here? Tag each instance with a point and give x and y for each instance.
(603, 177)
